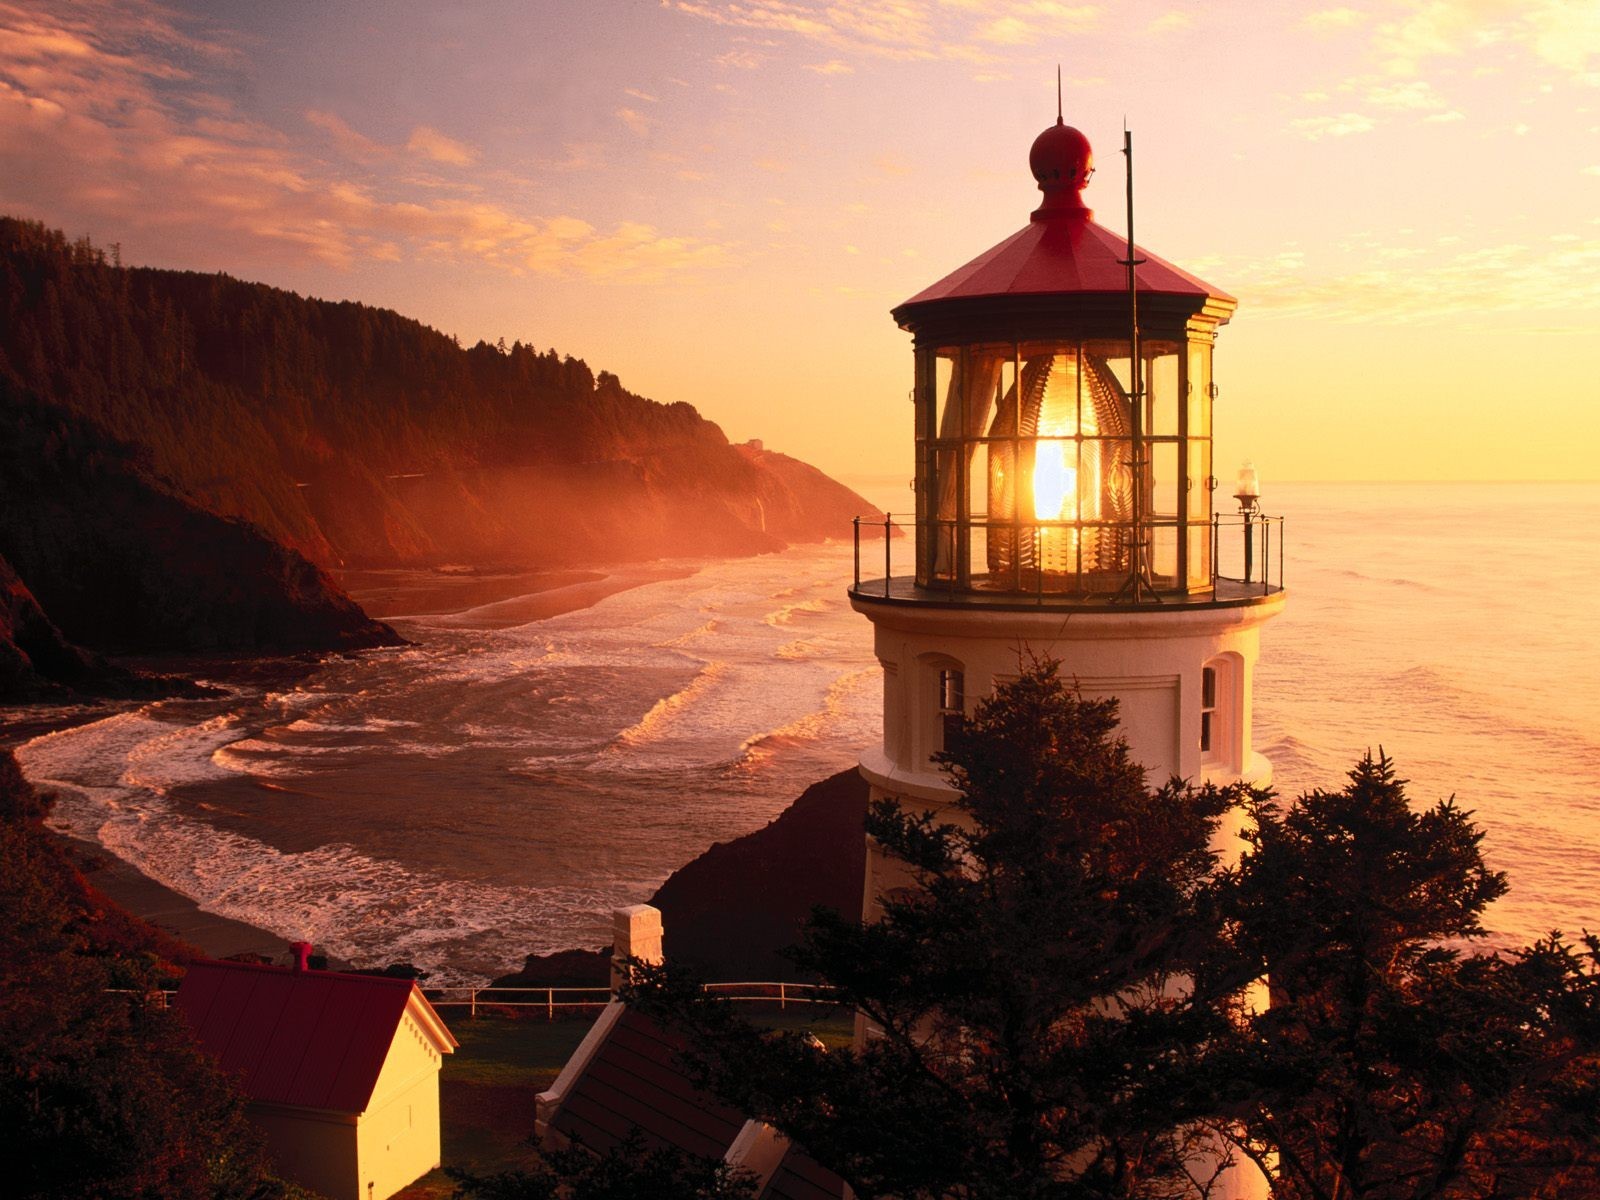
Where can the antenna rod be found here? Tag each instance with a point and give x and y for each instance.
(1059, 120)
(1135, 376)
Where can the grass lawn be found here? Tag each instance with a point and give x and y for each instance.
(488, 1085)
(486, 1093)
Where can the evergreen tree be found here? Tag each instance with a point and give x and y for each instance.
(1391, 1063)
(1042, 995)
(103, 1094)
(628, 1171)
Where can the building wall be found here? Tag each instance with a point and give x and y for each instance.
(398, 1135)
(314, 1149)
(1151, 662)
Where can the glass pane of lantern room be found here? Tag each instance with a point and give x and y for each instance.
(946, 493)
(1164, 556)
(947, 393)
(1163, 385)
(1164, 479)
(978, 557)
(1199, 389)
(1199, 557)
(987, 372)
(981, 463)
(1199, 494)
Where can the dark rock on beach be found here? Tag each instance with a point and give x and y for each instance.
(728, 913)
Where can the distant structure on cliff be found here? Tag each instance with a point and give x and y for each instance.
(1066, 504)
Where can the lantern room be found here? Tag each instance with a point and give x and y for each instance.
(1063, 410)
(1063, 407)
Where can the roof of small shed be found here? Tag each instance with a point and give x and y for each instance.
(634, 1081)
(311, 1039)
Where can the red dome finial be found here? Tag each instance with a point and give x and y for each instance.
(1061, 161)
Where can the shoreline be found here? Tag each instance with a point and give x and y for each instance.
(480, 601)
(172, 912)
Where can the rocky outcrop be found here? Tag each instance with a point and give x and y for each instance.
(37, 663)
(731, 910)
(120, 564)
(728, 913)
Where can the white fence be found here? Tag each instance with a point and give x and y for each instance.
(574, 1000)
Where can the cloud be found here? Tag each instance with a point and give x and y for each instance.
(433, 145)
(347, 140)
(100, 130)
(638, 95)
(1170, 22)
(1414, 94)
(740, 59)
(1333, 20)
(1343, 125)
(974, 31)
(1594, 170)
(634, 120)
(1564, 34)
(1429, 282)
(832, 67)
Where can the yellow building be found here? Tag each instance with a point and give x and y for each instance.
(340, 1072)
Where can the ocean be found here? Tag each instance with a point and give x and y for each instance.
(498, 787)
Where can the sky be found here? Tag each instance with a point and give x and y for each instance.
(720, 202)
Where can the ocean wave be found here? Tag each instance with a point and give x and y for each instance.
(653, 725)
(841, 702)
(797, 650)
(363, 909)
(694, 635)
(803, 608)
(1399, 581)
(361, 725)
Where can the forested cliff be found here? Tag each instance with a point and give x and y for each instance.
(184, 455)
(361, 437)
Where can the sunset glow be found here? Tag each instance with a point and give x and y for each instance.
(720, 202)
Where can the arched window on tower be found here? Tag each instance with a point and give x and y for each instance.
(952, 704)
(1220, 712)
(1208, 714)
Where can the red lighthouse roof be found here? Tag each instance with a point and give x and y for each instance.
(1061, 251)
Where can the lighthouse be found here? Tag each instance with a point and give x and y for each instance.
(1066, 503)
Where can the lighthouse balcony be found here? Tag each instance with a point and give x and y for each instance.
(1230, 561)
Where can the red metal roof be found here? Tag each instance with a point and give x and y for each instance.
(798, 1176)
(1062, 254)
(314, 1039)
(634, 1081)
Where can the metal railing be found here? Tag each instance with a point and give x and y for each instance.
(1251, 560)
(572, 1000)
(588, 999)
(1251, 554)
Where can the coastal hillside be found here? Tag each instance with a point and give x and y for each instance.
(101, 553)
(359, 437)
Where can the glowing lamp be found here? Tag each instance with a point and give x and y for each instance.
(1249, 498)
(1249, 490)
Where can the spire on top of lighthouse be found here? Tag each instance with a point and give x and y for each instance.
(1061, 161)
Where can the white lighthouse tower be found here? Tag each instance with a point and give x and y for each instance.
(1065, 495)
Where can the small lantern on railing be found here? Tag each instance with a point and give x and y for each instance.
(1249, 497)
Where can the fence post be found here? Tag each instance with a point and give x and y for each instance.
(887, 541)
(550, 1004)
(783, 996)
(472, 1001)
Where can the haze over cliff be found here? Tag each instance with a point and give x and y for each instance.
(176, 435)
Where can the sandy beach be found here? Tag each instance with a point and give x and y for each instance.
(166, 909)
